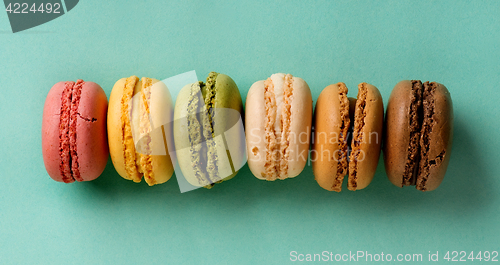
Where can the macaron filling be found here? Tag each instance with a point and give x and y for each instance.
(209, 93)
(145, 164)
(411, 167)
(70, 100)
(203, 147)
(127, 137)
(351, 136)
(64, 145)
(135, 122)
(341, 155)
(278, 96)
(75, 102)
(286, 114)
(272, 146)
(358, 134)
(427, 126)
(195, 135)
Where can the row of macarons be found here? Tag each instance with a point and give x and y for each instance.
(207, 135)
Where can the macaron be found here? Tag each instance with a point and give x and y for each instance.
(419, 133)
(74, 143)
(278, 126)
(139, 115)
(209, 144)
(347, 136)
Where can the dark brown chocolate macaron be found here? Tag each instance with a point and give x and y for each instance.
(418, 134)
(338, 119)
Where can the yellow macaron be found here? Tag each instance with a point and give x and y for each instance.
(139, 115)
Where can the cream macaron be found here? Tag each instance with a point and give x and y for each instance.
(278, 126)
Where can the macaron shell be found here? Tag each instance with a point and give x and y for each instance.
(397, 132)
(181, 103)
(327, 123)
(227, 93)
(372, 138)
(255, 120)
(115, 137)
(162, 112)
(162, 168)
(301, 121)
(91, 140)
(50, 131)
(228, 97)
(440, 136)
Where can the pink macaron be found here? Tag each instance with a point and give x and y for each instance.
(74, 140)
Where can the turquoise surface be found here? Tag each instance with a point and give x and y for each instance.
(245, 220)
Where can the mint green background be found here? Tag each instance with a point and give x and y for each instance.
(247, 221)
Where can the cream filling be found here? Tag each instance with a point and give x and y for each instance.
(270, 172)
(146, 166)
(209, 93)
(278, 95)
(197, 146)
(128, 140)
(286, 114)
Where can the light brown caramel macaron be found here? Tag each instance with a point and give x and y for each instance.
(337, 120)
(278, 126)
(419, 132)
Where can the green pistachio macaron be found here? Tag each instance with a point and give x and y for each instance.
(209, 143)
